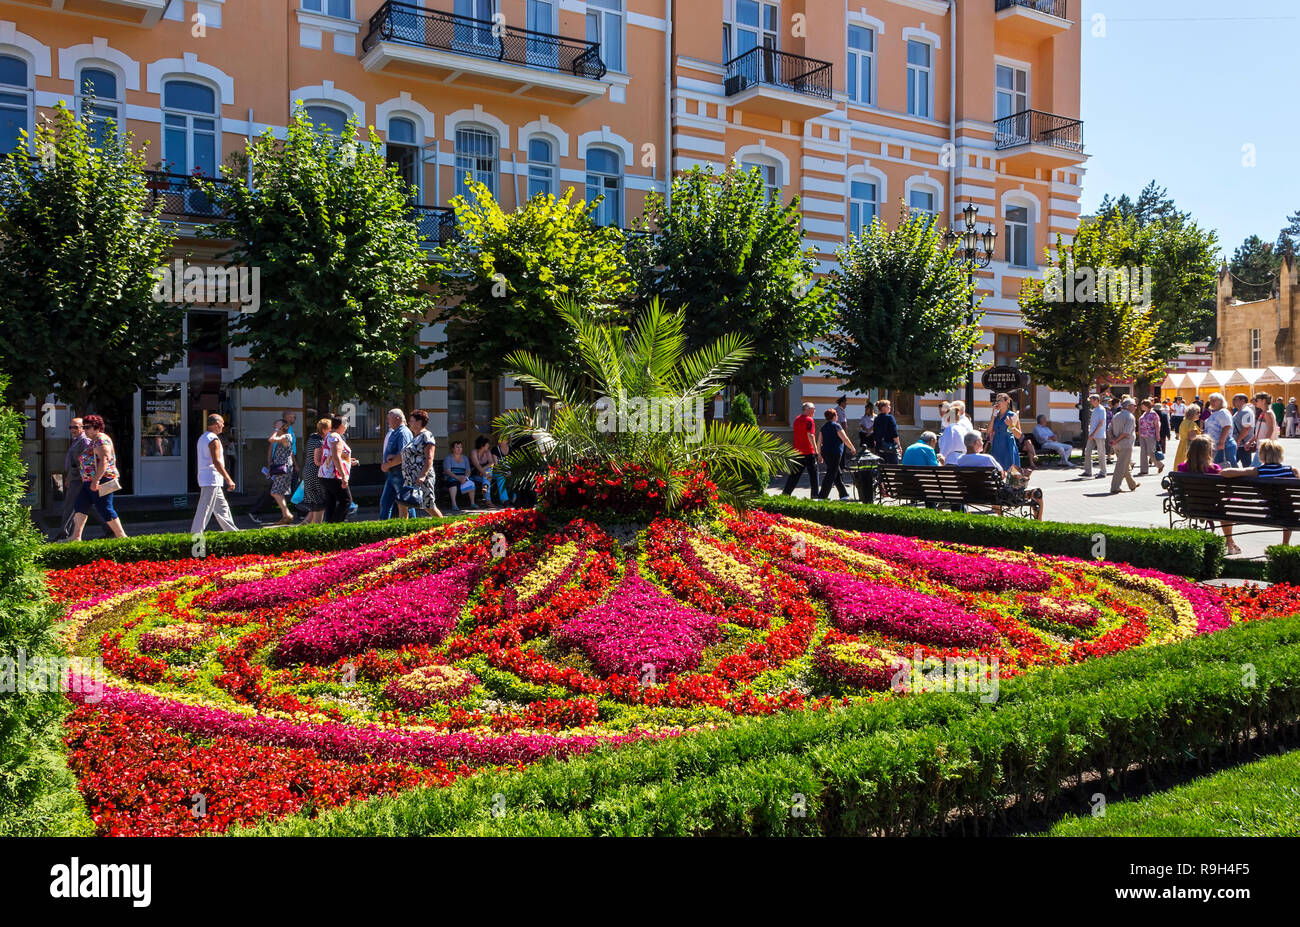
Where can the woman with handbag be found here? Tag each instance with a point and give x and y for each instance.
(419, 482)
(336, 471)
(99, 480)
(280, 469)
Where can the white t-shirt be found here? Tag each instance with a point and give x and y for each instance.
(208, 475)
(1215, 424)
(977, 460)
(952, 443)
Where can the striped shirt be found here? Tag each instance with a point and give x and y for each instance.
(1275, 471)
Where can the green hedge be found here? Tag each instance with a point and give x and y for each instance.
(1199, 554)
(901, 766)
(37, 793)
(231, 543)
(1284, 564)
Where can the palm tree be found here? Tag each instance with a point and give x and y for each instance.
(615, 414)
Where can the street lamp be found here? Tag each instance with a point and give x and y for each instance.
(974, 252)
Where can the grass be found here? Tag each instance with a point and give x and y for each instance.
(1260, 799)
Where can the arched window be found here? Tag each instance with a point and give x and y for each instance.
(924, 200)
(1018, 236)
(770, 173)
(864, 205)
(190, 135)
(605, 178)
(332, 120)
(100, 105)
(478, 155)
(404, 151)
(541, 167)
(15, 102)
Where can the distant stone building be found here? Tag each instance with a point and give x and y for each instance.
(1261, 333)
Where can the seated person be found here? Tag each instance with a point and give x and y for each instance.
(1046, 439)
(922, 453)
(457, 469)
(975, 456)
(1270, 467)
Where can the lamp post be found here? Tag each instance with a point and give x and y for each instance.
(974, 252)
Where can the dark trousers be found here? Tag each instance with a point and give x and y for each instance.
(798, 466)
(71, 490)
(1244, 456)
(337, 499)
(834, 469)
(888, 454)
(388, 499)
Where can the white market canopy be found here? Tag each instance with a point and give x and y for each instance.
(1201, 380)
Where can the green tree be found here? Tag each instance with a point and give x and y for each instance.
(79, 247)
(1288, 240)
(506, 274)
(735, 262)
(1099, 333)
(742, 414)
(1254, 267)
(649, 363)
(904, 321)
(327, 223)
(37, 793)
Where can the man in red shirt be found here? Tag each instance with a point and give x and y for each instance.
(807, 443)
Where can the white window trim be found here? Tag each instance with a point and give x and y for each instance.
(189, 66)
(25, 46)
(761, 152)
(544, 126)
(622, 19)
(622, 178)
(328, 17)
(607, 139)
(553, 165)
(1019, 66)
(28, 91)
(452, 121)
(216, 117)
(99, 54)
(870, 175)
(927, 184)
(79, 94)
(923, 35)
(420, 137)
(1026, 200)
(471, 125)
(426, 122)
(326, 94)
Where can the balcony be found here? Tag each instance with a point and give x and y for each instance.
(182, 199)
(130, 12)
(478, 55)
(1043, 137)
(1031, 19)
(779, 84)
(436, 224)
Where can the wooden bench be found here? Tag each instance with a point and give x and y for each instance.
(1199, 500)
(955, 487)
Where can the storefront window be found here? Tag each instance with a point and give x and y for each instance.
(160, 420)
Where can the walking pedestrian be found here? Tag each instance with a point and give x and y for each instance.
(78, 444)
(1094, 439)
(1188, 428)
(100, 479)
(807, 447)
(952, 441)
(884, 433)
(280, 470)
(1177, 412)
(313, 493)
(1292, 417)
(1265, 425)
(267, 498)
(1166, 426)
(419, 481)
(1243, 429)
(834, 445)
(395, 442)
(1003, 434)
(1123, 430)
(336, 471)
(211, 464)
(1218, 428)
(1148, 431)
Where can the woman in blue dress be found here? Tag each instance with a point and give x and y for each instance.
(1004, 433)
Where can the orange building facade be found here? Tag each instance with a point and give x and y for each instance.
(857, 108)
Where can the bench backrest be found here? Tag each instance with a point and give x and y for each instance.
(1245, 499)
(945, 485)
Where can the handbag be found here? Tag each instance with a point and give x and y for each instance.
(298, 496)
(278, 469)
(107, 487)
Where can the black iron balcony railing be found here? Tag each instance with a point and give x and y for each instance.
(436, 224)
(778, 69)
(413, 25)
(181, 196)
(1051, 7)
(1034, 128)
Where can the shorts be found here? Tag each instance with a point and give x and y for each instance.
(88, 499)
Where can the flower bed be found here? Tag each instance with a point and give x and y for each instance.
(282, 685)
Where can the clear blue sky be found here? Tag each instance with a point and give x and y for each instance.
(1175, 89)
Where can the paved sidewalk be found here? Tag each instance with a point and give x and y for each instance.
(1071, 497)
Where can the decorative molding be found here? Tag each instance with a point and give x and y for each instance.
(189, 64)
(327, 93)
(72, 58)
(38, 55)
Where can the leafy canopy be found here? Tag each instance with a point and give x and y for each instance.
(734, 261)
(905, 320)
(647, 363)
(80, 242)
(328, 222)
(506, 275)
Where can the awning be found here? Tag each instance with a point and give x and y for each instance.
(1282, 375)
(1242, 376)
(1174, 381)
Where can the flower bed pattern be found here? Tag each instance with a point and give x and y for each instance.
(283, 685)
